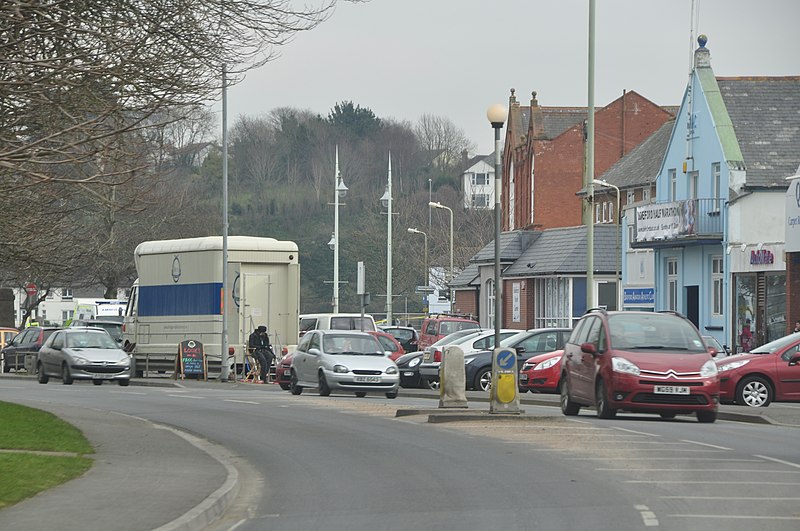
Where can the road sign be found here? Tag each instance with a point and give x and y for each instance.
(506, 360)
(424, 289)
(31, 289)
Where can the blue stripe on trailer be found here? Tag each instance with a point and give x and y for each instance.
(180, 299)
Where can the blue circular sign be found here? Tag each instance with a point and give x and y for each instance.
(506, 359)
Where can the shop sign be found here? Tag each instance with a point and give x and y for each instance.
(639, 296)
(762, 257)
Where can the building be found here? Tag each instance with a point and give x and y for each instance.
(478, 182)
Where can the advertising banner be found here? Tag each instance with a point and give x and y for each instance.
(663, 221)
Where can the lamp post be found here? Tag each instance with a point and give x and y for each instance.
(430, 200)
(340, 190)
(497, 116)
(386, 201)
(603, 182)
(436, 204)
(417, 231)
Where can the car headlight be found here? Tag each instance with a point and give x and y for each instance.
(625, 366)
(415, 362)
(732, 365)
(126, 361)
(392, 370)
(708, 369)
(79, 360)
(340, 368)
(546, 364)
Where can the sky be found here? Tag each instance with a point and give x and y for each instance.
(454, 58)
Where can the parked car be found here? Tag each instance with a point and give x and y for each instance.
(766, 374)
(283, 371)
(525, 342)
(470, 343)
(407, 336)
(112, 326)
(83, 353)
(722, 350)
(29, 341)
(337, 360)
(408, 365)
(336, 321)
(390, 344)
(642, 362)
(542, 373)
(6, 335)
(438, 326)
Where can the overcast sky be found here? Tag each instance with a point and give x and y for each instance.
(453, 58)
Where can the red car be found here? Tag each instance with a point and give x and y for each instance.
(283, 372)
(641, 362)
(542, 373)
(390, 344)
(765, 374)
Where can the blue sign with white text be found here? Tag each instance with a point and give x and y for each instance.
(639, 296)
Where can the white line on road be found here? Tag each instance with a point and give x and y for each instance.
(677, 458)
(128, 393)
(684, 470)
(188, 396)
(734, 517)
(648, 516)
(662, 482)
(637, 432)
(781, 461)
(242, 401)
(727, 498)
(706, 444)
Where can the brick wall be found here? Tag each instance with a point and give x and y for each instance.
(792, 290)
(466, 302)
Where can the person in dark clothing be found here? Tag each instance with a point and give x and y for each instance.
(261, 349)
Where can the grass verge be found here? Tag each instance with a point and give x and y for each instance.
(28, 430)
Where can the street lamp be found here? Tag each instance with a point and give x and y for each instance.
(497, 116)
(603, 182)
(430, 199)
(436, 204)
(386, 201)
(340, 191)
(417, 231)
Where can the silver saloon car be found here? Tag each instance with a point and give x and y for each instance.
(338, 360)
(83, 353)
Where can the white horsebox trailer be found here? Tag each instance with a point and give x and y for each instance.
(178, 296)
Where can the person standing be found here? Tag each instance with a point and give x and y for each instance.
(796, 327)
(261, 350)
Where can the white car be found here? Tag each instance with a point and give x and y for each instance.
(340, 360)
(83, 353)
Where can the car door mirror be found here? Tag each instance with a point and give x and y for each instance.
(314, 351)
(589, 348)
(794, 360)
(520, 350)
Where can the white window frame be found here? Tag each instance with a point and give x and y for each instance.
(673, 184)
(646, 193)
(694, 184)
(631, 197)
(490, 299)
(717, 277)
(672, 284)
(716, 182)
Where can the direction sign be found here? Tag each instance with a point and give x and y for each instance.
(424, 289)
(506, 360)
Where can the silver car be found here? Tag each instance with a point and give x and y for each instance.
(338, 360)
(83, 353)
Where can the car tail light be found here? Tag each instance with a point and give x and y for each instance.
(284, 351)
(437, 355)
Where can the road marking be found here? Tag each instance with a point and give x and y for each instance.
(744, 470)
(677, 458)
(706, 444)
(727, 498)
(781, 461)
(128, 393)
(661, 482)
(188, 396)
(648, 516)
(637, 432)
(242, 401)
(734, 517)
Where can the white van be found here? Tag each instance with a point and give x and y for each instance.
(336, 321)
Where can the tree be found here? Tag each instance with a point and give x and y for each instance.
(441, 136)
(356, 121)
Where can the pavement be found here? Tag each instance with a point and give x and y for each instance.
(210, 475)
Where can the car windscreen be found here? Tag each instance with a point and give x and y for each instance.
(448, 327)
(114, 329)
(778, 344)
(89, 340)
(308, 323)
(351, 345)
(455, 336)
(663, 332)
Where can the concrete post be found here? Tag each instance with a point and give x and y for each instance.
(452, 379)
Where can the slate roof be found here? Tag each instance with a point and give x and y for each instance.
(563, 251)
(512, 245)
(466, 278)
(641, 165)
(765, 112)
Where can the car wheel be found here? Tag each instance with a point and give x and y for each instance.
(361, 394)
(568, 407)
(604, 409)
(324, 389)
(97, 382)
(66, 377)
(124, 383)
(41, 375)
(431, 384)
(293, 386)
(391, 395)
(706, 417)
(754, 391)
(285, 386)
(483, 380)
(668, 415)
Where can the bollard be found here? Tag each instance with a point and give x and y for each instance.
(452, 379)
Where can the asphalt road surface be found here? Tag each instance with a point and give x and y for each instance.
(341, 462)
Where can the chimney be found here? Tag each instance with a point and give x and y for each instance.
(702, 57)
(464, 158)
(536, 126)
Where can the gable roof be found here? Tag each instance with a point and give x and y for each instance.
(512, 245)
(563, 251)
(765, 114)
(641, 165)
(468, 277)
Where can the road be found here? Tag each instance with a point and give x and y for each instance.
(346, 463)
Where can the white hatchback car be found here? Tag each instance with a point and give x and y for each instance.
(340, 360)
